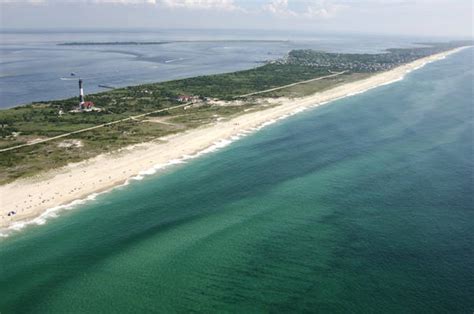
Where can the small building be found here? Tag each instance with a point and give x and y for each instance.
(87, 105)
(184, 98)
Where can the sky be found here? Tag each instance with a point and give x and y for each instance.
(442, 18)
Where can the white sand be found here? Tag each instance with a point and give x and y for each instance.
(30, 198)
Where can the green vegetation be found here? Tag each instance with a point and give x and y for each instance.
(230, 85)
(306, 89)
(42, 120)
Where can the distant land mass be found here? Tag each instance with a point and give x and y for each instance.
(130, 43)
(28, 133)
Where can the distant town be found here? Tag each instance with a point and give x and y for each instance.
(365, 63)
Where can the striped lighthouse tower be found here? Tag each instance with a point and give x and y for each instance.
(81, 93)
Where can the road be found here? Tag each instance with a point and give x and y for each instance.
(92, 128)
(156, 111)
(290, 85)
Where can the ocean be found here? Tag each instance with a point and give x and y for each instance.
(35, 67)
(363, 205)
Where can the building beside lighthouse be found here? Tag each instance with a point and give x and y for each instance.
(83, 104)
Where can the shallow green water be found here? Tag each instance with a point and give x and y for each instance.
(361, 206)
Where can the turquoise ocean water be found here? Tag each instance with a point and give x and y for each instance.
(364, 205)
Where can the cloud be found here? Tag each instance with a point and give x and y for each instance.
(114, 1)
(122, 1)
(324, 9)
(279, 8)
(77, 1)
(321, 9)
(227, 5)
(23, 1)
(186, 4)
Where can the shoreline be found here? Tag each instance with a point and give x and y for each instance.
(37, 198)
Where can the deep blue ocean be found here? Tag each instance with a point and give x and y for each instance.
(363, 205)
(34, 67)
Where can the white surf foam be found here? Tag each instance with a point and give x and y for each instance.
(49, 213)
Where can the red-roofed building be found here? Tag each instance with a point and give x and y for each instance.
(185, 98)
(87, 105)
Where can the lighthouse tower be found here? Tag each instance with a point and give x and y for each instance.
(81, 94)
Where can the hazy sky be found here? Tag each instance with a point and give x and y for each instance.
(406, 17)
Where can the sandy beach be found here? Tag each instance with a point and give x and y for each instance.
(34, 198)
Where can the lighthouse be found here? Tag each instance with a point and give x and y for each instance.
(81, 93)
(84, 105)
